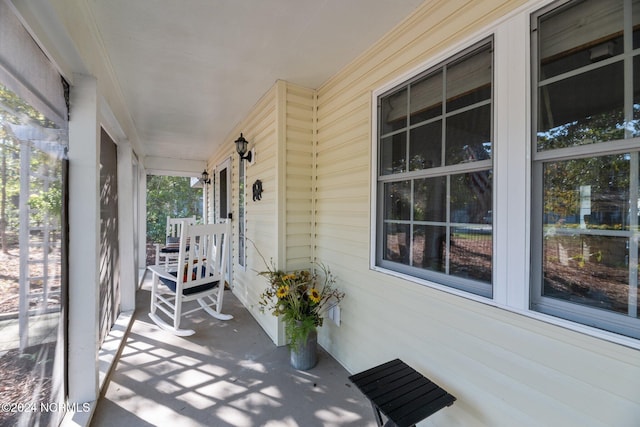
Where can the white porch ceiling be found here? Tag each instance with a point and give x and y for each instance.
(191, 70)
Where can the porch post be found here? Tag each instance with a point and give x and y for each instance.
(125, 227)
(84, 232)
(142, 220)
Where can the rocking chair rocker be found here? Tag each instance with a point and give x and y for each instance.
(204, 252)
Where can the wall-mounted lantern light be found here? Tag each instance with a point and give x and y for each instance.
(205, 177)
(241, 147)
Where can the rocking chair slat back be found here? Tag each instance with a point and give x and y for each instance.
(203, 248)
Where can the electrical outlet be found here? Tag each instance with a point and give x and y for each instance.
(334, 314)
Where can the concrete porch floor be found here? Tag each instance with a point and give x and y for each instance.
(226, 374)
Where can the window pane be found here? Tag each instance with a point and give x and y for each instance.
(468, 136)
(425, 148)
(429, 247)
(397, 201)
(587, 193)
(224, 196)
(393, 157)
(469, 80)
(396, 238)
(471, 198)
(393, 112)
(471, 253)
(429, 202)
(584, 109)
(426, 98)
(587, 32)
(588, 270)
(32, 153)
(471, 245)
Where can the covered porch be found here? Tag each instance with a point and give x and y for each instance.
(432, 153)
(227, 374)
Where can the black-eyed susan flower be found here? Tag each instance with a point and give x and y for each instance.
(283, 291)
(314, 295)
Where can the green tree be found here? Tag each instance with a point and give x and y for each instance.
(607, 176)
(169, 196)
(44, 200)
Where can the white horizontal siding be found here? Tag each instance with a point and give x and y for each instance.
(259, 128)
(280, 129)
(505, 369)
(300, 106)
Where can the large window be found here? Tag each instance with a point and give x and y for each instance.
(33, 224)
(32, 242)
(586, 163)
(435, 177)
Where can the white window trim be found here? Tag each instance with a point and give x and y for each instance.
(242, 239)
(512, 141)
(436, 61)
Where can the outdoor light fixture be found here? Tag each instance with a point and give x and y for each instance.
(241, 148)
(205, 177)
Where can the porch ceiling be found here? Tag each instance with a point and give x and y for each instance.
(191, 70)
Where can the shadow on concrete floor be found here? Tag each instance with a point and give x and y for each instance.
(229, 374)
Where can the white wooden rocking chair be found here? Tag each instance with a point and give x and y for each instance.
(201, 277)
(168, 254)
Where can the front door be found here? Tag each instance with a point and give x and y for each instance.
(222, 202)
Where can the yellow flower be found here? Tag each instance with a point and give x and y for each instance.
(282, 291)
(314, 295)
(289, 277)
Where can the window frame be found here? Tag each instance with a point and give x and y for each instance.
(450, 283)
(584, 315)
(512, 166)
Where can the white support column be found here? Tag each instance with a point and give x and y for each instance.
(125, 227)
(142, 215)
(84, 234)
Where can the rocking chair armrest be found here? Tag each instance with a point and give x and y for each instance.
(162, 272)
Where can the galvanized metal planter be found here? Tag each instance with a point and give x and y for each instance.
(305, 355)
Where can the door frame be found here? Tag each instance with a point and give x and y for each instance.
(216, 205)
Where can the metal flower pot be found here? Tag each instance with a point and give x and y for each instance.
(305, 355)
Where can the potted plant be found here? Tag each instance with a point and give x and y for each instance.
(300, 298)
